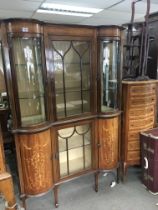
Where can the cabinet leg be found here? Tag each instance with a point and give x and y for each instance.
(56, 196)
(96, 180)
(23, 199)
(124, 171)
(118, 174)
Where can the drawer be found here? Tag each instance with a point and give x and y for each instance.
(148, 100)
(133, 136)
(133, 145)
(133, 155)
(139, 90)
(141, 124)
(141, 112)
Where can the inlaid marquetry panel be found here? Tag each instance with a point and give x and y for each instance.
(35, 154)
(108, 143)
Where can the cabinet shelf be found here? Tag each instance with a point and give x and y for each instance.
(60, 91)
(32, 98)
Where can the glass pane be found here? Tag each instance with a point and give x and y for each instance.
(81, 47)
(63, 164)
(76, 162)
(61, 47)
(82, 129)
(60, 107)
(87, 138)
(88, 158)
(75, 141)
(66, 132)
(109, 79)
(3, 92)
(86, 70)
(86, 101)
(62, 144)
(31, 110)
(58, 71)
(72, 70)
(27, 58)
(74, 103)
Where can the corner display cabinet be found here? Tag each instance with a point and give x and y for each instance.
(64, 90)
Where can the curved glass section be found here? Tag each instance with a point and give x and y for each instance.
(72, 81)
(3, 91)
(28, 68)
(109, 64)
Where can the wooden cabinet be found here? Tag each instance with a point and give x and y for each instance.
(64, 100)
(139, 114)
(34, 157)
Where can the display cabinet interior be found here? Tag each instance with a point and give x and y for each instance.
(72, 67)
(109, 65)
(27, 60)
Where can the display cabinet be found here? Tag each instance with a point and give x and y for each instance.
(64, 91)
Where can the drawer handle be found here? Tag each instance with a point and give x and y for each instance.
(146, 163)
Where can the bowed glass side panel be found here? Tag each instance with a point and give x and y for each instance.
(72, 77)
(28, 68)
(109, 64)
(3, 91)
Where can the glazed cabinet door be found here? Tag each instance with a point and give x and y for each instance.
(72, 70)
(27, 68)
(74, 155)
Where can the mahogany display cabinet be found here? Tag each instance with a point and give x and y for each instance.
(64, 92)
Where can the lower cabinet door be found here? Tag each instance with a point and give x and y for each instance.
(108, 143)
(74, 149)
(34, 155)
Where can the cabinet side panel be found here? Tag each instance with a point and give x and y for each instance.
(108, 137)
(35, 154)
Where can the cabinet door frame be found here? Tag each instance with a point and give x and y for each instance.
(55, 149)
(51, 73)
(11, 36)
(109, 38)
